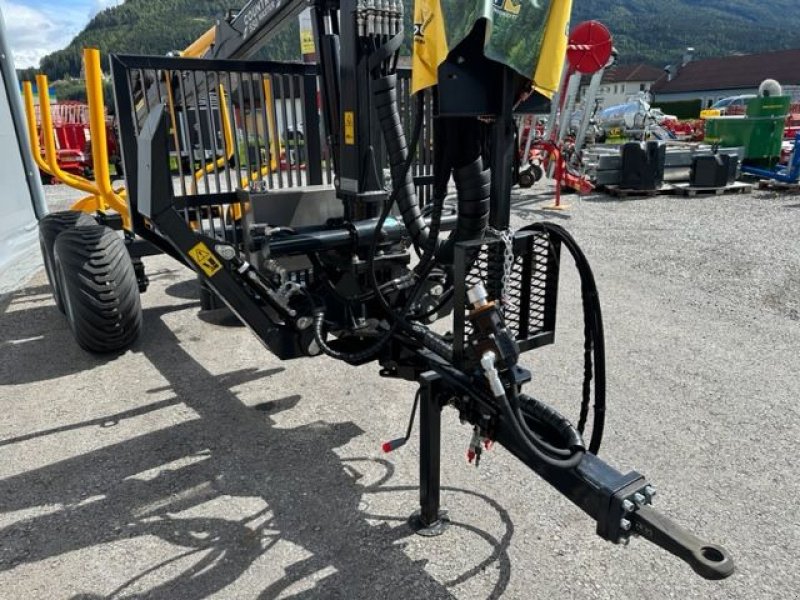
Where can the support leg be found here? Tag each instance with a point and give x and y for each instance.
(208, 298)
(430, 520)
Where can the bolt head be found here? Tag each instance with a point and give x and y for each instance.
(225, 251)
(628, 506)
(649, 491)
(639, 499)
(625, 525)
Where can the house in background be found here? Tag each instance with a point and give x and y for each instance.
(624, 81)
(712, 79)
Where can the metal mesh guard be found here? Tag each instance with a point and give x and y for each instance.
(531, 296)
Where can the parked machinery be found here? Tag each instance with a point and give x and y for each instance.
(558, 150)
(637, 120)
(788, 173)
(760, 131)
(72, 138)
(320, 269)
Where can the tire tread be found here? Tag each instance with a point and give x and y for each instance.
(50, 226)
(102, 287)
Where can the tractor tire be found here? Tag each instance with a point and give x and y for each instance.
(99, 288)
(49, 227)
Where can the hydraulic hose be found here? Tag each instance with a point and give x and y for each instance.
(530, 408)
(319, 315)
(594, 344)
(525, 407)
(473, 189)
(353, 358)
(520, 409)
(386, 107)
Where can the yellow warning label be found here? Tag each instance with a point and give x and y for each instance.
(205, 259)
(307, 41)
(349, 128)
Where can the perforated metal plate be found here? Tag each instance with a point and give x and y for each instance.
(529, 303)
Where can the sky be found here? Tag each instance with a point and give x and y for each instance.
(34, 28)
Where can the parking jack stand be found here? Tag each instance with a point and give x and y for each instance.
(209, 300)
(430, 520)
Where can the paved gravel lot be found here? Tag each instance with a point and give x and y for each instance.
(196, 465)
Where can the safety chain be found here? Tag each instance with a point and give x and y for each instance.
(507, 237)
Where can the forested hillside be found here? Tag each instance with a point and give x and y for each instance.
(657, 31)
(138, 27)
(654, 31)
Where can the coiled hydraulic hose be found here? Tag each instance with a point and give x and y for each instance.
(594, 338)
(520, 409)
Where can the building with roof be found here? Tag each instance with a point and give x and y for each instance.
(712, 79)
(624, 81)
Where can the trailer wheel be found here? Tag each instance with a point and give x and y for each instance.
(98, 285)
(49, 227)
(526, 179)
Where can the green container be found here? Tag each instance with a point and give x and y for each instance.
(777, 106)
(760, 132)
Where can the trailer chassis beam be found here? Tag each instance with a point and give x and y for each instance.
(619, 503)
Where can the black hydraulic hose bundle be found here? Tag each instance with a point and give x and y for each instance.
(517, 410)
(521, 408)
(473, 186)
(401, 157)
(386, 107)
(473, 191)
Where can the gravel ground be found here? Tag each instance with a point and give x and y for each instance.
(196, 465)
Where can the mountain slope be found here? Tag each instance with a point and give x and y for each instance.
(654, 31)
(657, 31)
(138, 27)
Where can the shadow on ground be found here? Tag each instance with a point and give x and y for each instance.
(231, 450)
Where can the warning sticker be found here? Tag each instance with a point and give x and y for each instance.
(205, 259)
(307, 42)
(349, 128)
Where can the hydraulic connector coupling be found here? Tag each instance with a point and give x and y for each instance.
(490, 332)
(492, 376)
(477, 444)
(379, 17)
(478, 297)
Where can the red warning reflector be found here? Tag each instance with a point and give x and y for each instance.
(589, 47)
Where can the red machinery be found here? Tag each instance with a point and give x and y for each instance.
(682, 130)
(792, 122)
(73, 140)
(588, 52)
